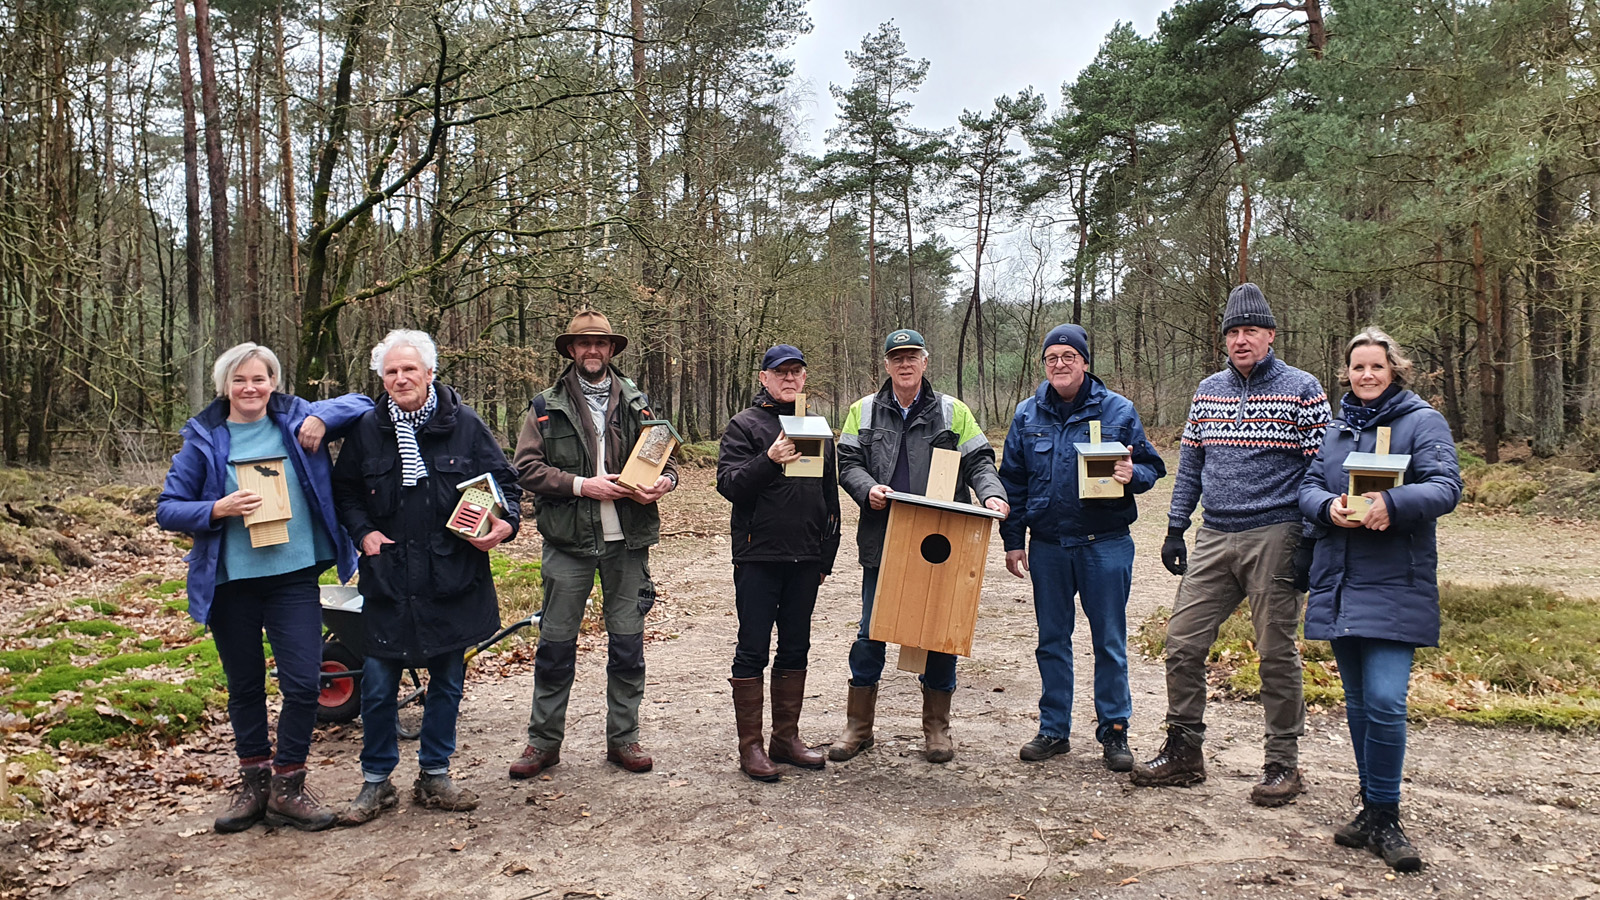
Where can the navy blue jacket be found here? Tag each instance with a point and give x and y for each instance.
(1039, 468)
(198, 478)
(1382, 584)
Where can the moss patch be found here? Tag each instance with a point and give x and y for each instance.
(26, 799)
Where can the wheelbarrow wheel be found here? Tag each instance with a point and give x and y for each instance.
(340, 699)
(413, 698)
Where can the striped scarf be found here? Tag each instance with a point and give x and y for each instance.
(405, 434)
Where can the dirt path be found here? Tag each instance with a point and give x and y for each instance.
(1497, 814)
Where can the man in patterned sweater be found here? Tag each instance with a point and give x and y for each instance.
(1253, 429)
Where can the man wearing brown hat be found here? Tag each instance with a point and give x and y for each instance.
(576, 438)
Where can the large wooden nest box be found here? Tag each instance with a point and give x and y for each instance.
(269, 524)
(480, 499)
(1372, 472)
(657, 440)
(931, 572)
(810, 436)
(1097, 465)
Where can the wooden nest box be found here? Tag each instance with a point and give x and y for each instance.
(480, 499)
(1373, 472)
(1097, 464)
(657, 440)
(931, 572)
(269, 524)
(810, 436)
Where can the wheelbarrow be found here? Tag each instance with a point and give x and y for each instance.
(344, 647)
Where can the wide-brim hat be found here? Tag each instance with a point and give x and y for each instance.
(589, 322)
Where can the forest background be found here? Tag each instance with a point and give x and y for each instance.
(178, 177)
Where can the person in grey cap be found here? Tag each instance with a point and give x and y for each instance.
(1253, 430)
(785, 537)
(887, 445)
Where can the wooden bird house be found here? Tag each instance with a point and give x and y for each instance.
(931, 572)
(269, 524)
(657, 440)
(480, 499)
(1097, 465)
(1372, 472)
(810, 435)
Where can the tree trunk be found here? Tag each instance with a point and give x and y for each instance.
(196, 367)
(1247, 209)
(216, 174)
(1544, 333)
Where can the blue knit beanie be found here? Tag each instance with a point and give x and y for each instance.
(1071, 335)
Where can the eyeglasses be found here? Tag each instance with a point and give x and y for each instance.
(788, 374)
(1062, 360)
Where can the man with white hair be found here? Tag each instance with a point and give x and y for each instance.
(428, 592)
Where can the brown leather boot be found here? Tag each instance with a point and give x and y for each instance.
(1179, 764)
(292, 803)
(860, 708)
(249, 801)
(747, 699)
(788, 695)
(937, 746)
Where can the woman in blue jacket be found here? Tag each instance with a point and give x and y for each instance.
(238, 590)
(1374, 583)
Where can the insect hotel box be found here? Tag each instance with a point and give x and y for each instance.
(480, 499)
(810, 435)
(657, 440)
(269, 524)
(1372, 472)
(1097, 464)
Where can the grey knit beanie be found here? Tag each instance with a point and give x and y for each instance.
(1247, 306)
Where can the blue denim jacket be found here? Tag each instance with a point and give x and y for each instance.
(1040, 467)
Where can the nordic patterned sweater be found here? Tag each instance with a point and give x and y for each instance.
(1247, 445)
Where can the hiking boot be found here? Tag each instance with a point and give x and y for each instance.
(1179, 764)
(249, 801)
(375, 797)
(439, 792)
(630, 756)
(1042, 747)
(1388, 839)
(936, 743)
(1278, 785)
(1356, 833)
(292, 803)
(753, 759)
(533, 761)
(788, 697)
(860, 708)
(1114, 748)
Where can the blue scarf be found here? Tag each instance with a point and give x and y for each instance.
(1358, 415)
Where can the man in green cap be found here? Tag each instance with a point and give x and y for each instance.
(887, 445)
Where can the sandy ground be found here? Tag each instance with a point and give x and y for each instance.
(1496, 813)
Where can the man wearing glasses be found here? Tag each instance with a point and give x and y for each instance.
(1079, 546)
(886, 445)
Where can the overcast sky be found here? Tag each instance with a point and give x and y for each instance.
(976, 49)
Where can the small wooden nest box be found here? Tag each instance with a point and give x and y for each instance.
(1372, 472)
(480, 499)
(931, 574)
(657, 440)
(1097, 463)
(810, 435)
(265, 476)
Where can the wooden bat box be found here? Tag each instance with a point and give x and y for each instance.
(931, 574)
(1372, 472)
(1097, 462)
(657, 440)
(269, 524)
(810, 435)
(480, 498)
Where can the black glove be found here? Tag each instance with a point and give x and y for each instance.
(1302, 564)
(1174, 555)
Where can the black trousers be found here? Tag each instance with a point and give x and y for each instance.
(768, 594)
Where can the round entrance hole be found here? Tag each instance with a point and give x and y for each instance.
(936, 548)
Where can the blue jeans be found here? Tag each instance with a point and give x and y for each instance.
(1100, 573)
(866, 655)
(289, 608)
(380, 696)
(1376, 675)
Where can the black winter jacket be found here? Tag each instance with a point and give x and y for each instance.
(776, 518)
(430, 592)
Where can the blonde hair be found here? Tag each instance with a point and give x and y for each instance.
(235, 356)
(1400, 365)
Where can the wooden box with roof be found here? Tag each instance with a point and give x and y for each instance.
(480, 499)
(931, 574)
(657, 440)
(1097, 465)
(810, 435)
(1373, 472)
(269, 524)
